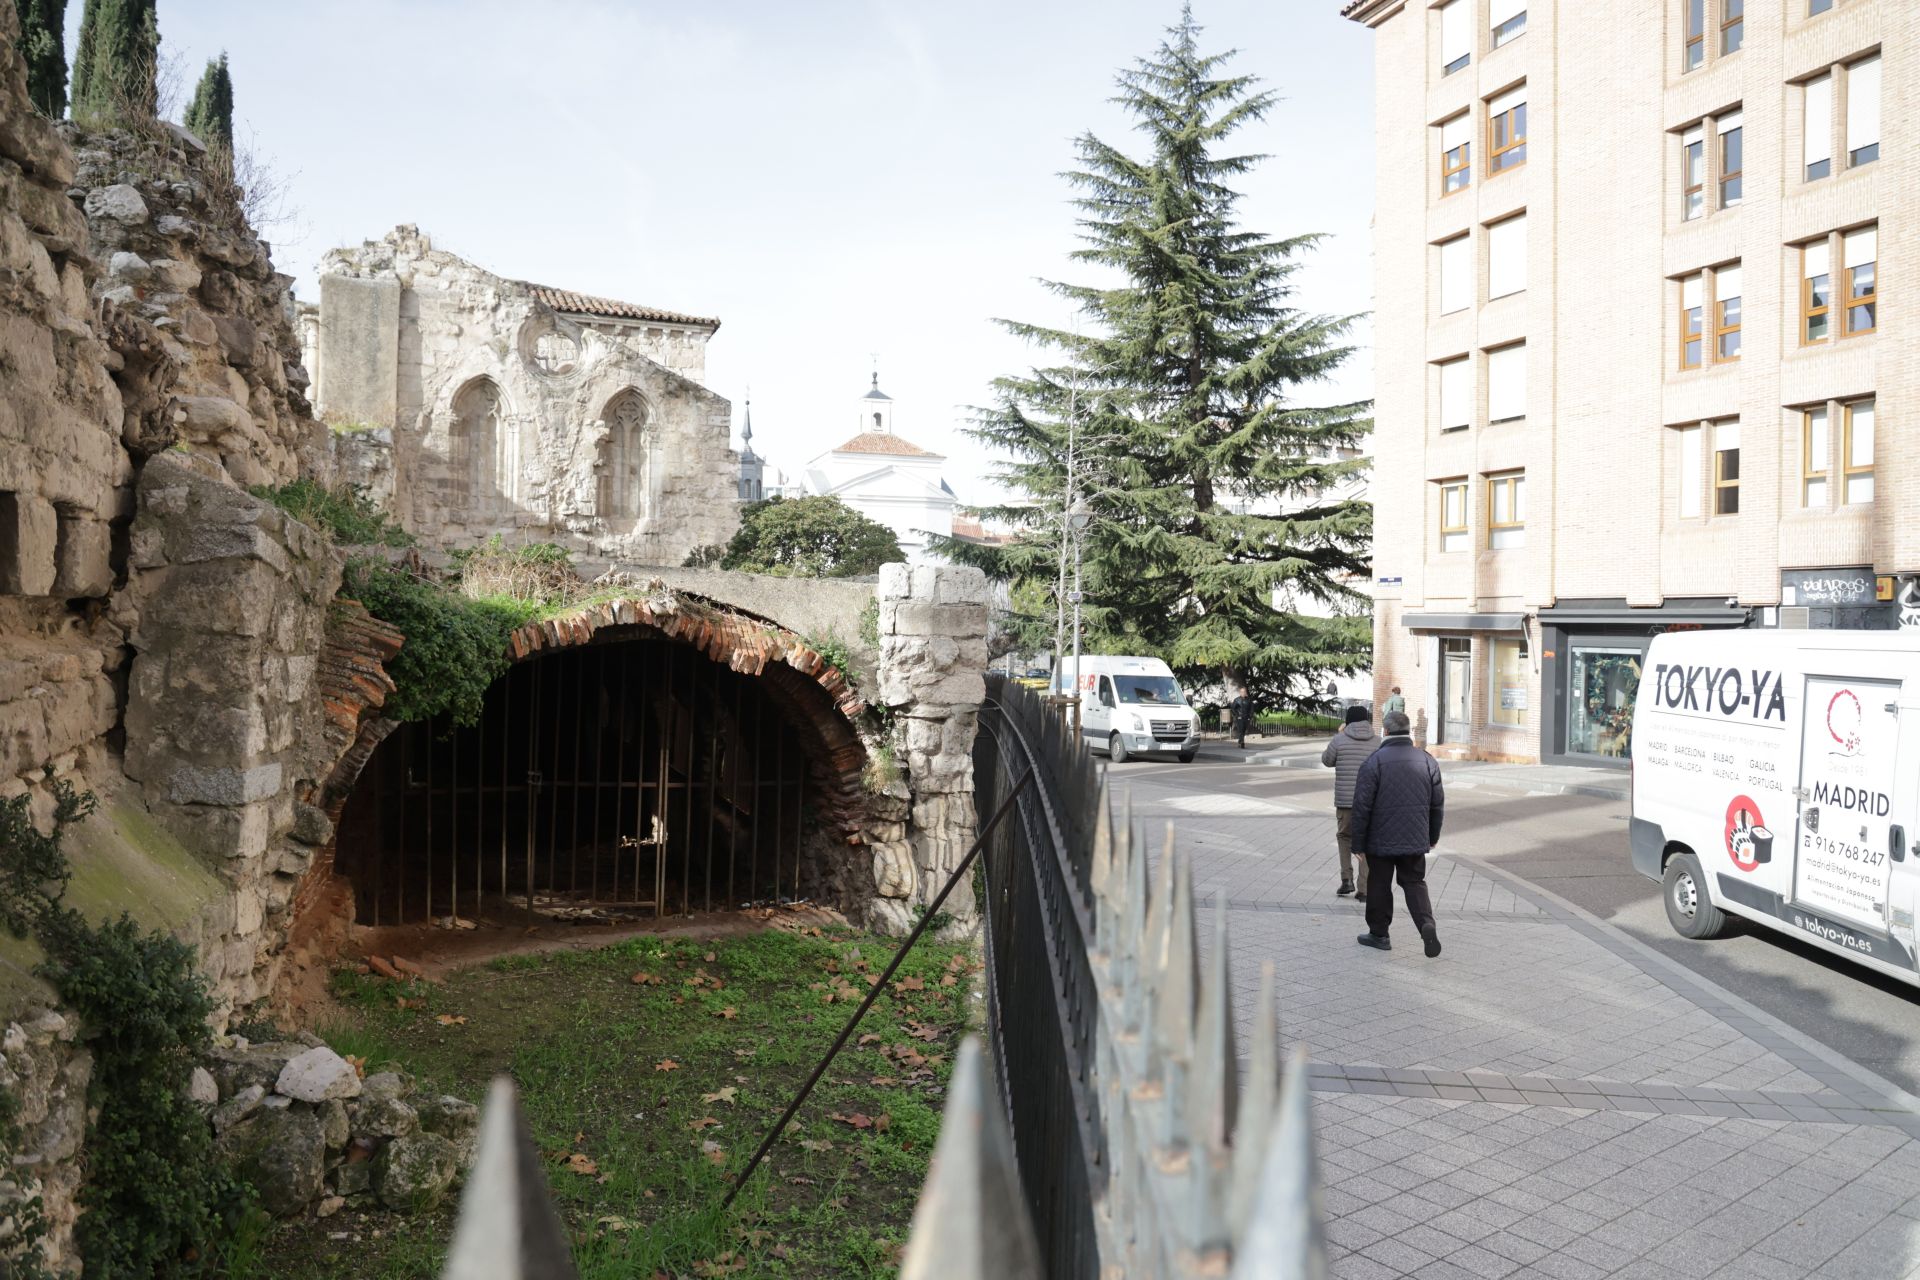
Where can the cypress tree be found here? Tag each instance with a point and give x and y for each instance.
(43, 43)
(1212, 489)
(119, 54)
(210, 114)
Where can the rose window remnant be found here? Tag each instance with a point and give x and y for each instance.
(555, 352)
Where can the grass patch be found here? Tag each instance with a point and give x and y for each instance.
(343, 512)
(640, 1152)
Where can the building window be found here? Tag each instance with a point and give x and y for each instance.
(1507, 131)
(1817, 117)
(1696, 47)
(1507, 694)
(1456, 36)
(1862, 302)
(1693, 310)
(1817, 7)
(1730, 160)
(1456, 394)
(623, 457)
(1507, 18)
(1816, 292)
(1693, 170)
(1507, 383)
(1733, 25)
(1726, 313)
(1814, 457)
(1456, 154)
(1857, 449)
(1601, 688)
(1689, 471)
(1507, 511)
(1507, 256)
(1863, 112)
(1453, 516)
(1726, 468)
(1456, 275)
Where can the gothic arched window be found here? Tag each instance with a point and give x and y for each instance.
(623, 473)
(481, 455)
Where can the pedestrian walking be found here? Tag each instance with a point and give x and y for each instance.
(1344, 755)
(1398, 802)
(1242, 709)
(1394, 702)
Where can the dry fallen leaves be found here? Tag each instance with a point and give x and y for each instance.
(724, 1264)
(729, 1013)
(857, 1120)
(715, 1153)
(710, 957)
(645, 979)
(911, 984)
(582, 1164)
(726, 1094)
(359, 1064)
(816, 1144)
(704, 1122)
(870, 1038)
(666, 1064)
(923, 1031)
(451, 1019)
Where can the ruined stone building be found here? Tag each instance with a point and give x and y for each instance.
(471, 405)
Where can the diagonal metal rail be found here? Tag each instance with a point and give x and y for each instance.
(873, 992)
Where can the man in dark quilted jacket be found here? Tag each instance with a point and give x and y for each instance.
(1398, 801)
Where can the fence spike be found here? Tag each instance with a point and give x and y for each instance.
(507, 1228)
(1254, 1127)
(1134, 949)
(1284, 1237)
(1179, 959)
(1216, 1060)
(971, 1220)
(1102, 866)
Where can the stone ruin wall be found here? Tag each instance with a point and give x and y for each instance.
(405, 332)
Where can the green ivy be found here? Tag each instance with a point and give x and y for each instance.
(455, 648)
(343, 512)
(156, 1199)
(834, 650)
(870, 624)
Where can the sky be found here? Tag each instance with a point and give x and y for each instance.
(842, 182)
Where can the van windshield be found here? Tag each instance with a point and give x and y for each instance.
(1157, 690)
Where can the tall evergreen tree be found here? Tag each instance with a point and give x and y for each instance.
(1211, 488)
(210, 114)
(43, 43)
(114, 69)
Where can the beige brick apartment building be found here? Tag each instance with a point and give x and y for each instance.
(1633, 374)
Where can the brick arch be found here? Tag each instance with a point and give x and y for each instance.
(811, 692)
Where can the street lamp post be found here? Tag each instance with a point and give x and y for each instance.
(1078, 518)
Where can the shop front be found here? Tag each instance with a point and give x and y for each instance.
(1478, 681)
(1592, 652)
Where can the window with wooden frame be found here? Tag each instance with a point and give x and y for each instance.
(1506, 19)
(1816, 458)
(1861, 302)
(1693, 171)
(1856, 452)
(1726, 313)
(1693, 313)
(1456, 153)
(1456, 36)
(1507, 511)
(1726, 468)
(1816, 292)
(1816, 114)
(1689, 439)
(1453, 515)
(1863, 112)
(1695, 50)
(1733, 25)
(1507, 131)
(1731, 175)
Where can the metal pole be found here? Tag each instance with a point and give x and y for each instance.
(874, 992)
(430, 737)
(733, 795)
(1077, 693)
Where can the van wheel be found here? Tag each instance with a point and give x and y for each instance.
(1688, 910)
(1116, 749)
(1186, 757)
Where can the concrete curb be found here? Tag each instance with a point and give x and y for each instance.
(1757, 1024)
(1459, 778)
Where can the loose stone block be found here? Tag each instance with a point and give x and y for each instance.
(29, 538)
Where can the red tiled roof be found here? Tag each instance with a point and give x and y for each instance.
(882, 442)
(587, 304)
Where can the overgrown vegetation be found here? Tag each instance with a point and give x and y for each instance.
(115, 68)
(882, 771)
(541, 572)
(833, 649)
(649, 1070)
(870, 624)
(43, 32)
(456, 646)
(344, 512)
(811, 537)
(156, 1201)
(210, 114)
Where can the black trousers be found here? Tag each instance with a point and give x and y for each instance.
(1411, 872)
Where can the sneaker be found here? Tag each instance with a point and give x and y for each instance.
(1361, 896)
(1345, 889)
(1432, 939)
(1378, 941)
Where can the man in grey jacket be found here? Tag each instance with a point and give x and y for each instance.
(1352, 745)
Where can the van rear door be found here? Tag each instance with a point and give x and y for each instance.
(1848, 755)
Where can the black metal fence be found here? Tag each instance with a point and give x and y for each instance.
(1042, 1005)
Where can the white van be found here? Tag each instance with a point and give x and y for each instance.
(1774, 778)
(1132, 707)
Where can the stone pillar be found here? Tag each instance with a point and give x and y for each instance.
(933, 656)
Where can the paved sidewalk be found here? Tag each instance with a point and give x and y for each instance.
(1549, 1097)
(1530, 779)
